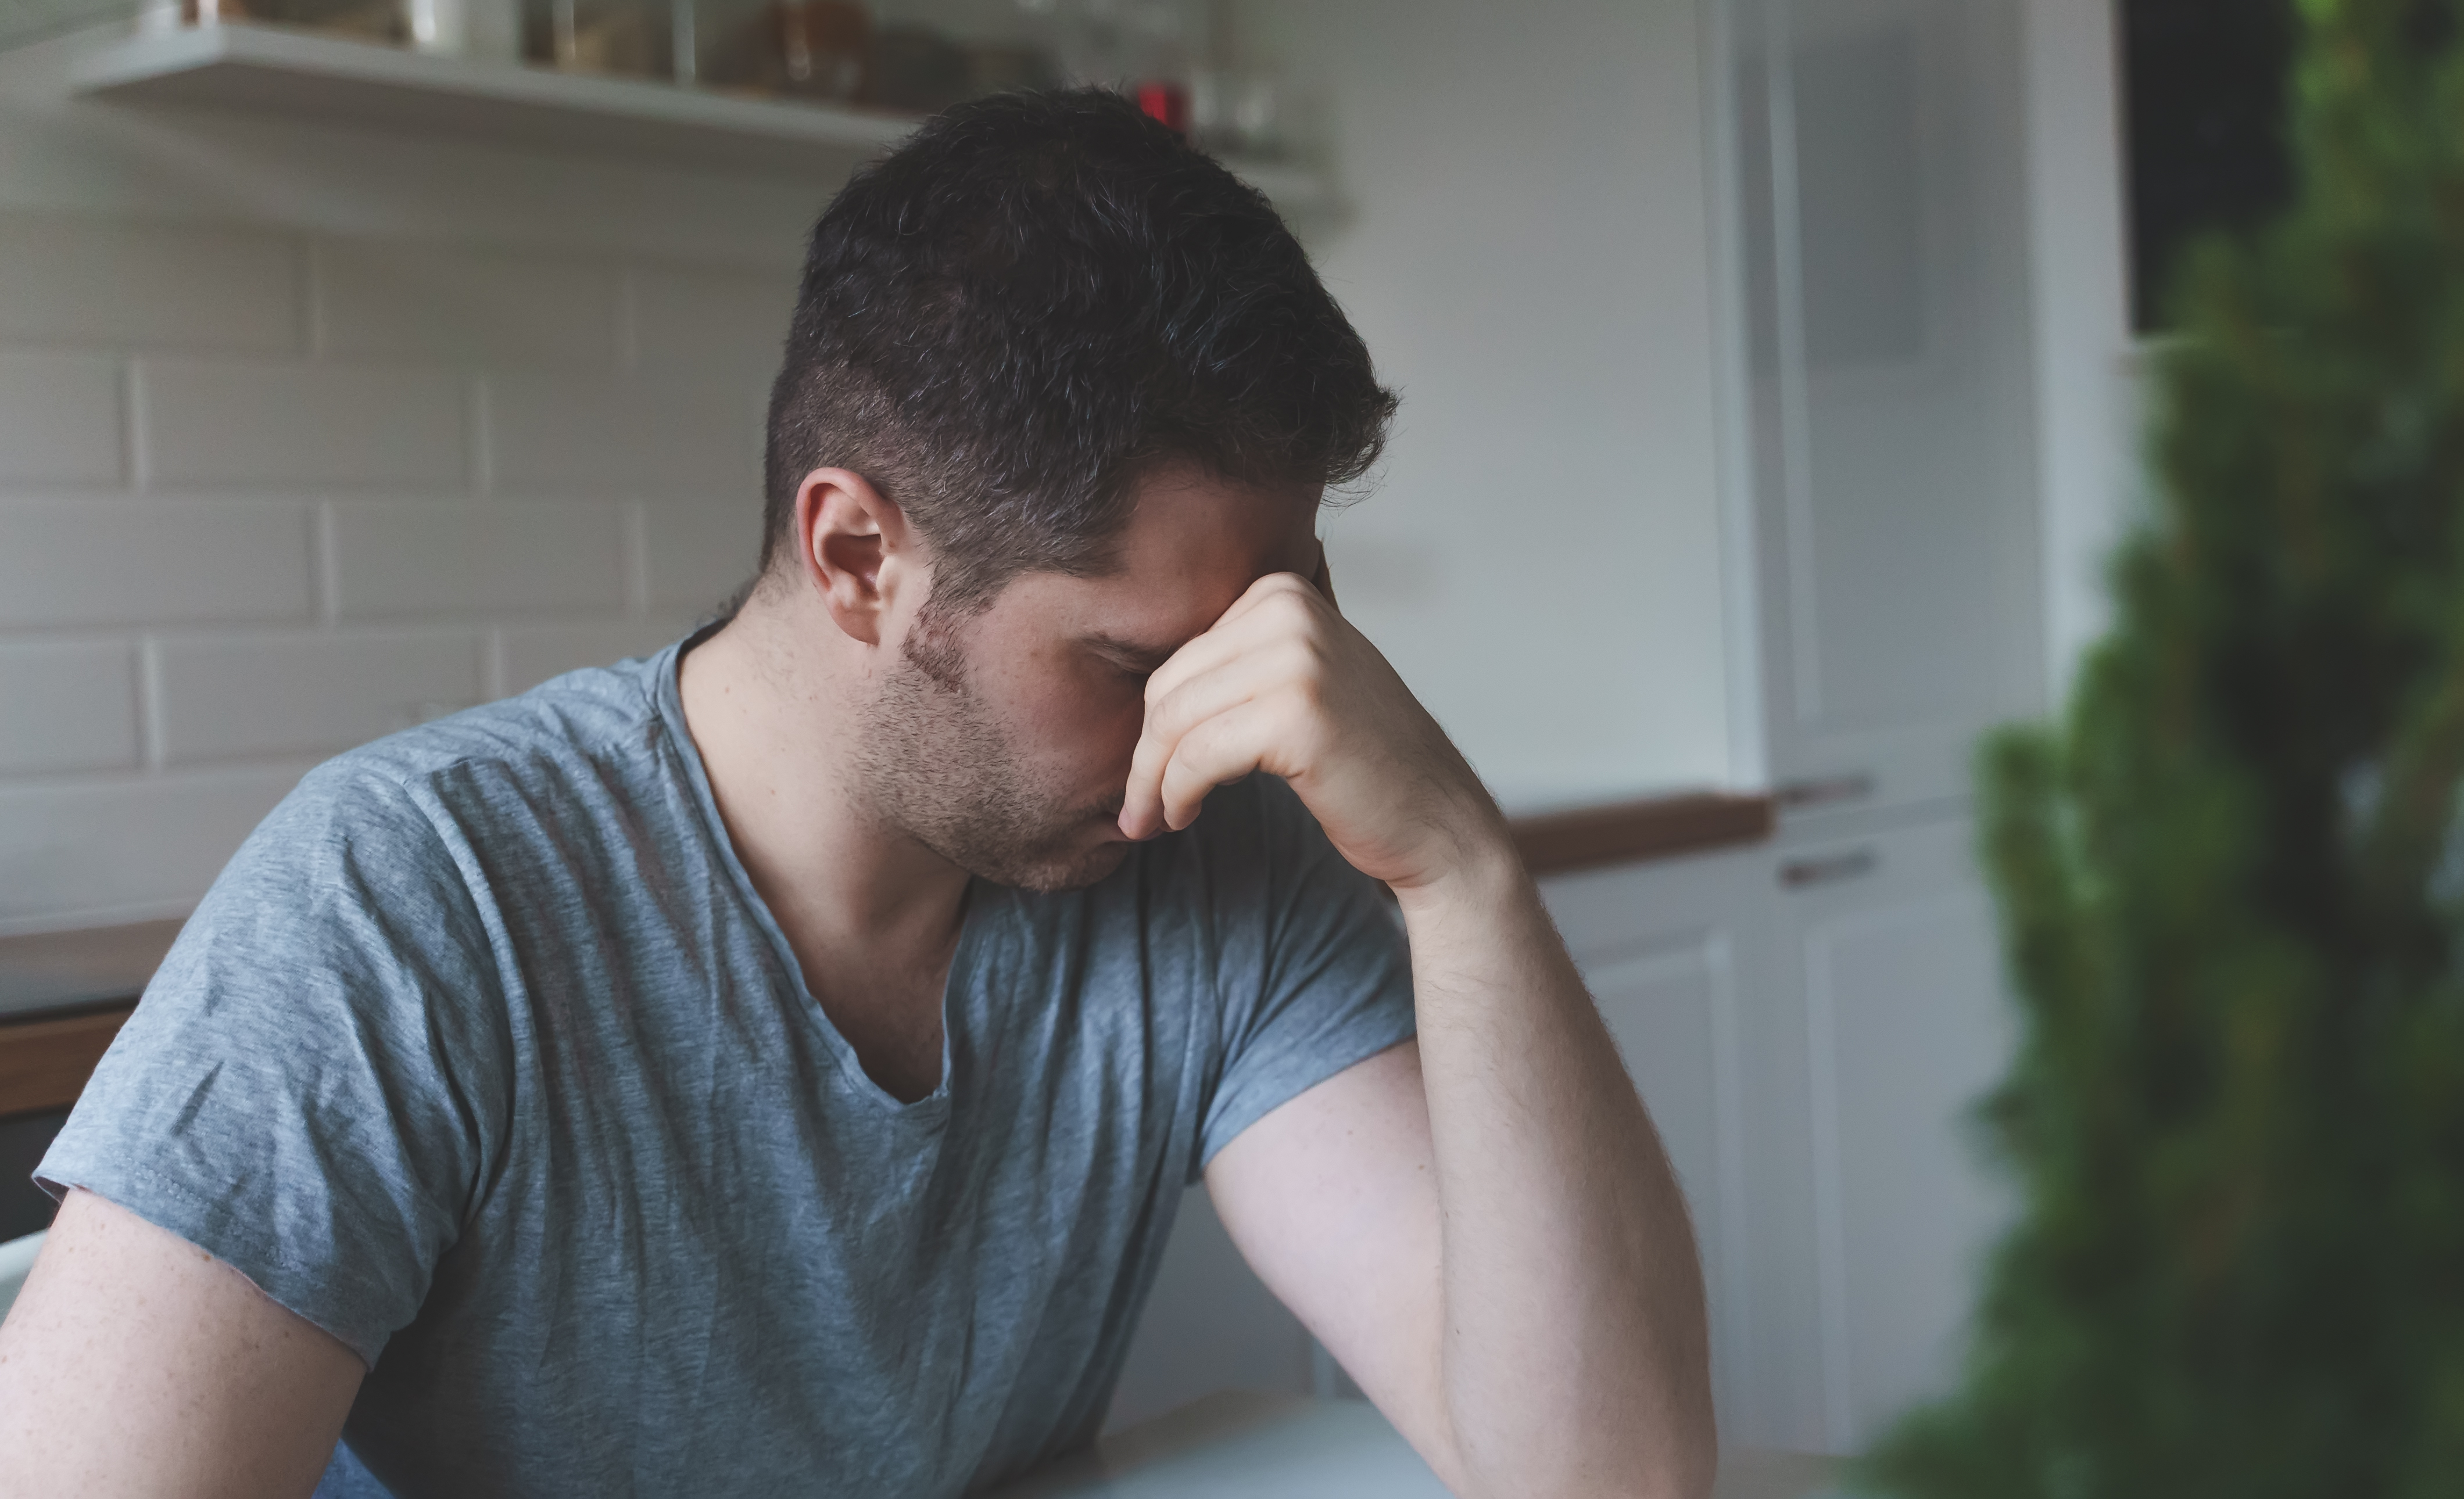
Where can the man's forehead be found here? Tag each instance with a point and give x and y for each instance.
(1139, 617)
(1184, 520)
(1206, 569)
(1192, 544)
(1132, 606)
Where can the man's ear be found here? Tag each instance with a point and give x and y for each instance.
(856, 550)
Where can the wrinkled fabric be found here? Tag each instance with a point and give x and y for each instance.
(484, 1056)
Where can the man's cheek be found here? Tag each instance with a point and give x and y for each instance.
(1094, 732)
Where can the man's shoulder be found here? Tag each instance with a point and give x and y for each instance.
(403, 813)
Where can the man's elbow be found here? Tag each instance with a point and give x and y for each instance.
(1681, 1465)
(1686, 1467)
(1651, 1460)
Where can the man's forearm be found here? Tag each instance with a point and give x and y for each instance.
(1570, 1341)
(1575, 1351)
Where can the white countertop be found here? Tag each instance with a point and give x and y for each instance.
(1243, 1443)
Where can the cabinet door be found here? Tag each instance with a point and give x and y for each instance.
(1878, 167)
(1906, 1027)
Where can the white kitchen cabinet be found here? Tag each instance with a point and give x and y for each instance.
(1809, 1024)
(1877, 206)
(1886, 948)
(1877, 178)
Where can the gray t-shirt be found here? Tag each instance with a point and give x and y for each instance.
(484, 1056)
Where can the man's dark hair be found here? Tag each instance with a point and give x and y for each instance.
(1032, 303)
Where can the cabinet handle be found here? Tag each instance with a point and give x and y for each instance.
(1829, 869)
(1825, 790)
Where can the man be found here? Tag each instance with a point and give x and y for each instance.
(772, 1067)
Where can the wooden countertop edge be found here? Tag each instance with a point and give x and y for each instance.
(50, 975)
(1652, 827)
(44, 1063)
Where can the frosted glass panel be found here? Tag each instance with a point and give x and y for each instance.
(1882, 214)
(1861, 199)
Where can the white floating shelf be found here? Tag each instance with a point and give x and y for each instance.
(267, 70)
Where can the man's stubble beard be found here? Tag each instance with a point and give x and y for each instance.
(936, 766)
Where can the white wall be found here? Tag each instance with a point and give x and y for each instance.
(306, 435)
(1526, 248)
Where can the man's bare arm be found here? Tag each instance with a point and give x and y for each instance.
(135, 1364)
(1508, 1328)
(1332, 1199)
(1533, 1319)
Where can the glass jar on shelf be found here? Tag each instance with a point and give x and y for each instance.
(628, 38)
(488, 28)
(369, 20)
(910, 57)
(1146, 49)
(1239, 114)
(807, 48)
(929, 54)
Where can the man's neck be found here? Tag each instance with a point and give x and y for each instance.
(872, 914)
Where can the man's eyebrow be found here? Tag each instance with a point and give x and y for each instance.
(1130, 652)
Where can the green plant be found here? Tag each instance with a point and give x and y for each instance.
(2232, 883)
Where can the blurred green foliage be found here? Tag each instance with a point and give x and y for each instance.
(2232, 880)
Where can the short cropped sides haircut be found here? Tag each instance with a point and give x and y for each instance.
(1035, 301)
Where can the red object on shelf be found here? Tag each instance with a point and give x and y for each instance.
(1165, 102)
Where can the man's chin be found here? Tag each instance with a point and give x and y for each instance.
(1075, 871)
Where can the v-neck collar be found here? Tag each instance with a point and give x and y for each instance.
(933, 1108)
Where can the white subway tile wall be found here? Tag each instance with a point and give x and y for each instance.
(695, 551)
(137, 561)
(309, 693)
(403, 559)
(61, 420)
(707, 322)
(400, 301)
(561, 435)
(252, 425)
(72, 705)
(266, 494)
(148, 285)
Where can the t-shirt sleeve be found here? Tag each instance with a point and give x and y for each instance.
(1314, 968)
(310, 1086)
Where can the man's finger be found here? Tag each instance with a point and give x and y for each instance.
(1241, 627)
(1224, 747)
(1239, 677)
(1197, 656)
(1270, 589)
